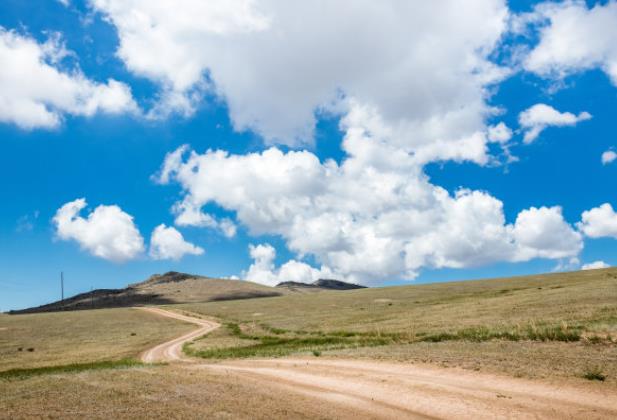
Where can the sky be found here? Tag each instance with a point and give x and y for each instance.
(382, 143)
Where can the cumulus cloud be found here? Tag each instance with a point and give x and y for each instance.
(277, 64)
(107, 232)
(373, 217)
(36, 93)
(608, 157)
(540, 116)
(543, 232)
(574, 38)
(499, 133)
(595, 265)
(264, 271)
(166, 243)
(599, 222)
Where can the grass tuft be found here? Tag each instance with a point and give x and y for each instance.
(594, 374)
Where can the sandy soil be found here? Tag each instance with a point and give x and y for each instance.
(397, 390)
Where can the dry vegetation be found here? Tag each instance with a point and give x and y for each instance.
(60, 338)
(155, 392)
(559, 325)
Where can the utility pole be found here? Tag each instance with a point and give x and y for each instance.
(62, 286)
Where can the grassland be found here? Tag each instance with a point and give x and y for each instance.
(561, 328)
(552, 326)
(172, 392)
(77, 337)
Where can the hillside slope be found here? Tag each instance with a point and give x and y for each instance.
(168, 288)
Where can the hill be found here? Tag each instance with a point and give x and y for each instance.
(161, 289)
(319, 285)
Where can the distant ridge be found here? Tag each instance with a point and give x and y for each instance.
(159, 289)
(321, 284)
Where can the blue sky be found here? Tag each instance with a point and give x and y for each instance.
(205, 87)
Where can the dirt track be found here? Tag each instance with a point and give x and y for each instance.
(172, 350)
(391, 390)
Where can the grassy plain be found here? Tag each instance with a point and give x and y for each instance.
(171, 392)
(62, 338)
(551, 326)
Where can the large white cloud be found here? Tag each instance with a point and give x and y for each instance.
(107, 232)
(423, 67)
(574, 38)
(166, 243)
(374, 216)
(599, 222)
(540, 116)
(35, 93)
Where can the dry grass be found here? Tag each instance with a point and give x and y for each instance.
(585, 301)
(156, 392)
(63, 338)
(550, 326)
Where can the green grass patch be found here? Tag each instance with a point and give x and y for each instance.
(531, 332)
(268, 341)
(278, 345)
(70, 368)
(594, 374)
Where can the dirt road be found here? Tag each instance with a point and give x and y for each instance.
(397, 390)
(172, 350)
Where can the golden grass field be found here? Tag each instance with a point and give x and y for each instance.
(550, 326)
(560, 328)
(61, 338)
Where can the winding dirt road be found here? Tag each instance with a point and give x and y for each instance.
(171, 351)
(397, 390)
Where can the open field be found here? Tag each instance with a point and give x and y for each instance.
(81, 336)
(532, 346)
(550, 326)
(154, 392)
(297, 387)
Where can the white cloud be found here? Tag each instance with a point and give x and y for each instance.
(422, 68)
(499, 133)
(540, 116)
(608, 157)
(166, 243)
(36, 93)
(599, 222)
(542, 232)
(373, 217)
(574, 38)
(595, 265)
(263, 269)
(107, 232)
